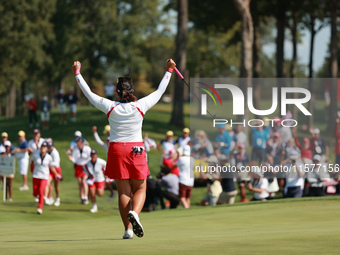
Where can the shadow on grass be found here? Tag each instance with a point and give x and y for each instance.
(76, 240)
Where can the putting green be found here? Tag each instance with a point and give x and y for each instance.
(300, 226)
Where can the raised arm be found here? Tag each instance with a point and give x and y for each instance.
(101, 103)
(150, 100)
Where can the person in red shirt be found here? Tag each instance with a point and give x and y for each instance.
(306, 149)
(32, 111)
(337, 147)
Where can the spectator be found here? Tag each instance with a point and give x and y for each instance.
(240, 136)
(9, 178)
(184, 139)
(241, 160)
(294, 178)
(214, 185)
(306, 149)
(337, 146)
(153, 191)
(186, 176)
(227, 182)
(202, 141)
(171, 184)
(316, 175)
(274, 148)
(72, 103)
(260, 136)
(80, 156)
(259, 185)
(4, 138)
(21, 153)
(45, 113)
(223, 140)
(62, 99)
(320, 145)
(270, 175)
(168, 150)
(109, 90)
(32, 111)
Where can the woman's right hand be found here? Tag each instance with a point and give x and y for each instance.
(94, 129)
(76, 67)
(170, 63)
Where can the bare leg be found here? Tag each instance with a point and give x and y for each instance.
(184, 202)
(139, 194)
(85, 187)
(80, 186)
(124, 198)
(24, 178)
(56, 187)
(92, 195)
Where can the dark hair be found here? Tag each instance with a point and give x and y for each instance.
(165, 170)
(124, 89)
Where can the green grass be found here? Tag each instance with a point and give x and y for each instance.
(284, 226)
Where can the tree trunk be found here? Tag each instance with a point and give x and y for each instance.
(256, 56)
(246, 68)
(177, 118)
(334, 67)
(293, 65)
(11, 102)
(280, 27)
(310, 75)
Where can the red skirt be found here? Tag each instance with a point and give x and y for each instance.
(122, 163)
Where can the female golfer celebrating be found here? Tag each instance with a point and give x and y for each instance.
(126, 161)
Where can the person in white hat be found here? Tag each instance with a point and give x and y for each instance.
(21, 153)
(186, 176)
(294, 177)
(73, 143)
(45, 113)
(316, 175)
(62, 99)
(9, 178)
(258, 185)
(319, 145)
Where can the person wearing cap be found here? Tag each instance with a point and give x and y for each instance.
(109, 89)
(186, 175)
(240, 136)
(229, 191)
(316, 175)
(4, 138)
(9, 178)
(80, 156)
(274, 148)
(306, 149)
(45, 113)
(42, 167)
(184, 139)
(21, 153)
(126, 161)
(223, 140)
(32, 111)
(49, 200)
(214, 188)
(34, 144)
(168, 150)
(294, 177)
(72, 100)
(105, 146)
(241, 160)
(62, 99)
(319, 144)
(260, 137)
(258, 185)
(73, 143)
(95, 170)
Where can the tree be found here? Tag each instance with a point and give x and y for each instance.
(243, 7)
(334, 65)
(181, 60)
